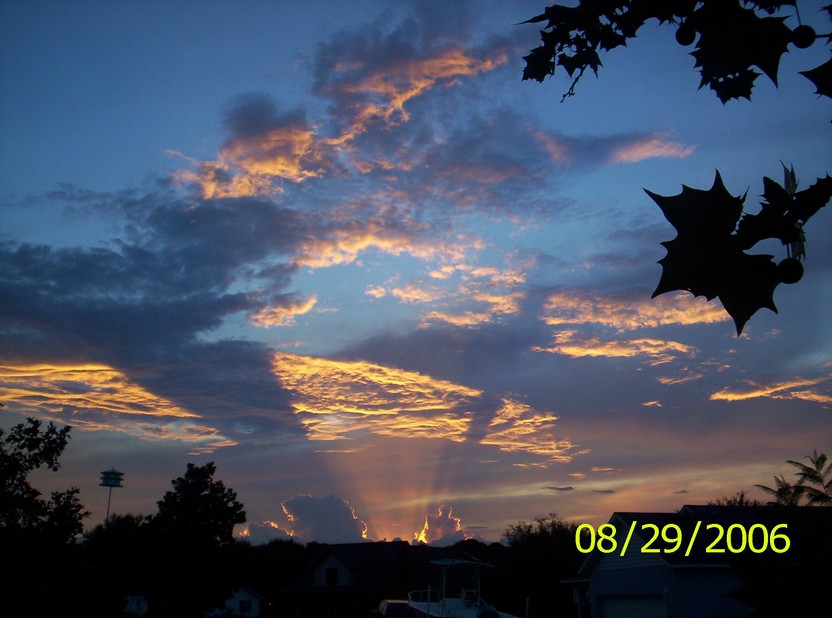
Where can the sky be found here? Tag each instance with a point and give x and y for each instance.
(390, 289)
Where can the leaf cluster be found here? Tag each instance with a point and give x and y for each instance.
(735, 40)
(814, 483)
(708, 256)
(27, 447)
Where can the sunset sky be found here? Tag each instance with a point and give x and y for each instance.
(390, 289)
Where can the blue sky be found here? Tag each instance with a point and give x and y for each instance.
(343, 251)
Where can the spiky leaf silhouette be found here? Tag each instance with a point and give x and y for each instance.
(821, 77)
(708, 256)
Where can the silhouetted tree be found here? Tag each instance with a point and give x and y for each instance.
(783, 492)
(818, 474)
(816, 479)
(738, 499)
(192, 536)
(199, 509)
(542, 554)
(36, 535)
(27, 447)
(732, 37)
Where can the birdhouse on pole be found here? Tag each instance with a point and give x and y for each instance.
(110, 478)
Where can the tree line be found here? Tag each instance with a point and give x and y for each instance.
(184, 560)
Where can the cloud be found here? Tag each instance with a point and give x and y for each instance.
(283, 314)
(648, 148)
(612, 149)
(371, 75)
(96, 397)
(263, 532)
(442, 529)
(264, 147)
(573, 344)
(518, 427)
(337, 399)
(626, 312)
(324, 520)
(806, 389)
(560, 490)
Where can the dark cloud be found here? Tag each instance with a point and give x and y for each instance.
(325, 520)
(603, 491)
(256, 113)
(260, 533)
(560, 490)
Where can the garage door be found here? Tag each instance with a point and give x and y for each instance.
(633, 607)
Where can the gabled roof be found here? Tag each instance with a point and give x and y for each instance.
(368, 563)
(371, 564)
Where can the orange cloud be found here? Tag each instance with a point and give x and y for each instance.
(504, 304)
(571, 343)
(650, 149)
(463, 319)
(385, 92)
(413, 293)
(253, 164)
(518, 427)
(283, 315)
(100, 398)
(216, 183)
(806, 389)
(337, 398)
(344, 244)
(564, 308)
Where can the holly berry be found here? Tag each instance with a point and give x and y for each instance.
(685, 35)
(803, 37)
(790, 270)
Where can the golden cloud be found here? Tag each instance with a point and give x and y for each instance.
(250, 165)
(100, 398)
(806, 389)
(573, 344)
(413, 293)
(344, 244)
(283, 315)
(463, 319)
(564, 308)
(337, 398)
(518, 427)
(386, 92)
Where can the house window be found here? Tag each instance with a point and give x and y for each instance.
(332, 576)
(245, 606)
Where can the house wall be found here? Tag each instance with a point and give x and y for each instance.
(662, 592)
(705, 593)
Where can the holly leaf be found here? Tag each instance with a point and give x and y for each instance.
(821, 77)
(706, 258)
(731, 40)
(811, 200)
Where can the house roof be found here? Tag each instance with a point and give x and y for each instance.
(368, 564)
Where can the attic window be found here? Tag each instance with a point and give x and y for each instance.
(332, 576)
